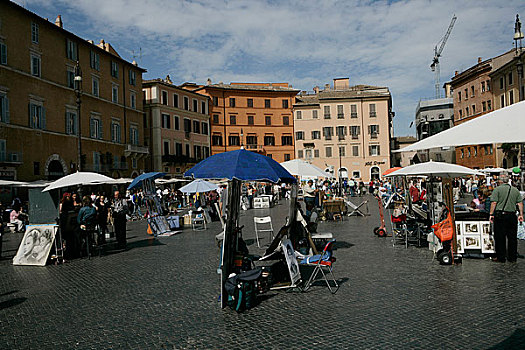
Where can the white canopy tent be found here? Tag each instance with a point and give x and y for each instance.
(503, 125)
(198, 186)
(298, 167)
(438, 169)
(79, 178)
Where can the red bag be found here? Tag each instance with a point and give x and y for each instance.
(444, 230)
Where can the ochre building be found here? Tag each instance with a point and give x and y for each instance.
(177, 126)
(39, 120)
(257, 116)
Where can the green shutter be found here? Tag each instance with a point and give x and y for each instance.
(92, 133)
(3, 53)
(100, 129)
(43, 119)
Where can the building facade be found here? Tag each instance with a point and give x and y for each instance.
(257, 116)
(40, 121)
(177, 126)
(432, 117)
(508, 88)
(473, 97)
(345, 130)
(402, 159)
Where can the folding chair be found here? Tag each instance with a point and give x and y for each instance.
(266, 221)
(356, 208)
(320, 262)
(198, 222)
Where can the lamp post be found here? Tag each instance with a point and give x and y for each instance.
(78, 93)
(518, 36)
(242, 139)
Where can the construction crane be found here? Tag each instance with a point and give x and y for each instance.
(437, 54)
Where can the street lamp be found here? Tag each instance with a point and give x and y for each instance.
(242, 139)
(518, 36)
(78, 93)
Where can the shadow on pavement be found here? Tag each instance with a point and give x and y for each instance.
(342, 245)
(143, 243)
(515, 341)
(8, 293)
(11, 302)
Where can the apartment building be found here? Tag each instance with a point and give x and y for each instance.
(508, 88)
(345, 129)
(473, 97)
(432, 117)
(39, 121)
(177, 126)
(257, 116)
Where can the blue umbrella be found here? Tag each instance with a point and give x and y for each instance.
(138, 180)
(242, 165)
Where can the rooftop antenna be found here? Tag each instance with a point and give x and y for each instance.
(437, 54)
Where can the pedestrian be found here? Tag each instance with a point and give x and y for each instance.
(503, 213)
(102, 218)
(309, 193)
(119, 209)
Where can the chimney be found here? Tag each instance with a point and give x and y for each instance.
(479, 59)
(456, 73)
(58, 22)
(326, 87)
(316, 89)
(208, 82)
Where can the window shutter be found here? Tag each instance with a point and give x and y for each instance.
(3, 53)
(377, 129)
(112, 132)
(92, 127)
(370, 129)
(100, 129)
(43, 119)
(358, 129)
(378, 150)
(130, 135)
(29, 119)
(119, 137)
(370, 150)
(6, 109)
(67, 123)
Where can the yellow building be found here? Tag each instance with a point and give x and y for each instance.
(178, 129)
(345, 130)
(39, 118)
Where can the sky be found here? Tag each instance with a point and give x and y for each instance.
(306, 43)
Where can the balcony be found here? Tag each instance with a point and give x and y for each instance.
(254, 147)
(327, 116)
(373, 114)
(187, 135)
(327, 137)
(355, 136)
(340, 116)
(373, 135)
(353, 115)
(135, 150)
(13, 158)
(341, 137)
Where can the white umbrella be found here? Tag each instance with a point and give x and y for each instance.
(34, 184)
(198, 186)
(503, 125)
(79, 178)
(494, 170)
(438, 169)
(9, 183)
(298, 167)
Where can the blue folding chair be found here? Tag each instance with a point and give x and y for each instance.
(321, 262)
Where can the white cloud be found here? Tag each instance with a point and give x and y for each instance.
(306, 42)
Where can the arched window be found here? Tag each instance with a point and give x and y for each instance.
(374, 173)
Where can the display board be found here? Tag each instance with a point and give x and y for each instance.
(291, 261)
(36, 245)
(43, 206)
(475, 235)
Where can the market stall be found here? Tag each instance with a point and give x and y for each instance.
(439, 198)
(238, 166)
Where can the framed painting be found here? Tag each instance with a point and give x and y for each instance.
(471, 241)
(36, 245)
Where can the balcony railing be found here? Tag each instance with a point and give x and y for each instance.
(327, 116)
(340, 116)
(353, 115)
(135, 149)
(355, 136)
(373, 114)
(327, 137)
(119, 166)
(373, 135)
(254, 147)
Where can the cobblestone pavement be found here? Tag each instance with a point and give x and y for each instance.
(163, 295)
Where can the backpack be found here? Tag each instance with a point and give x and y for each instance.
(242, 290)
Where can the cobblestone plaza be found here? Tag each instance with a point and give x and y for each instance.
(163, 294)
